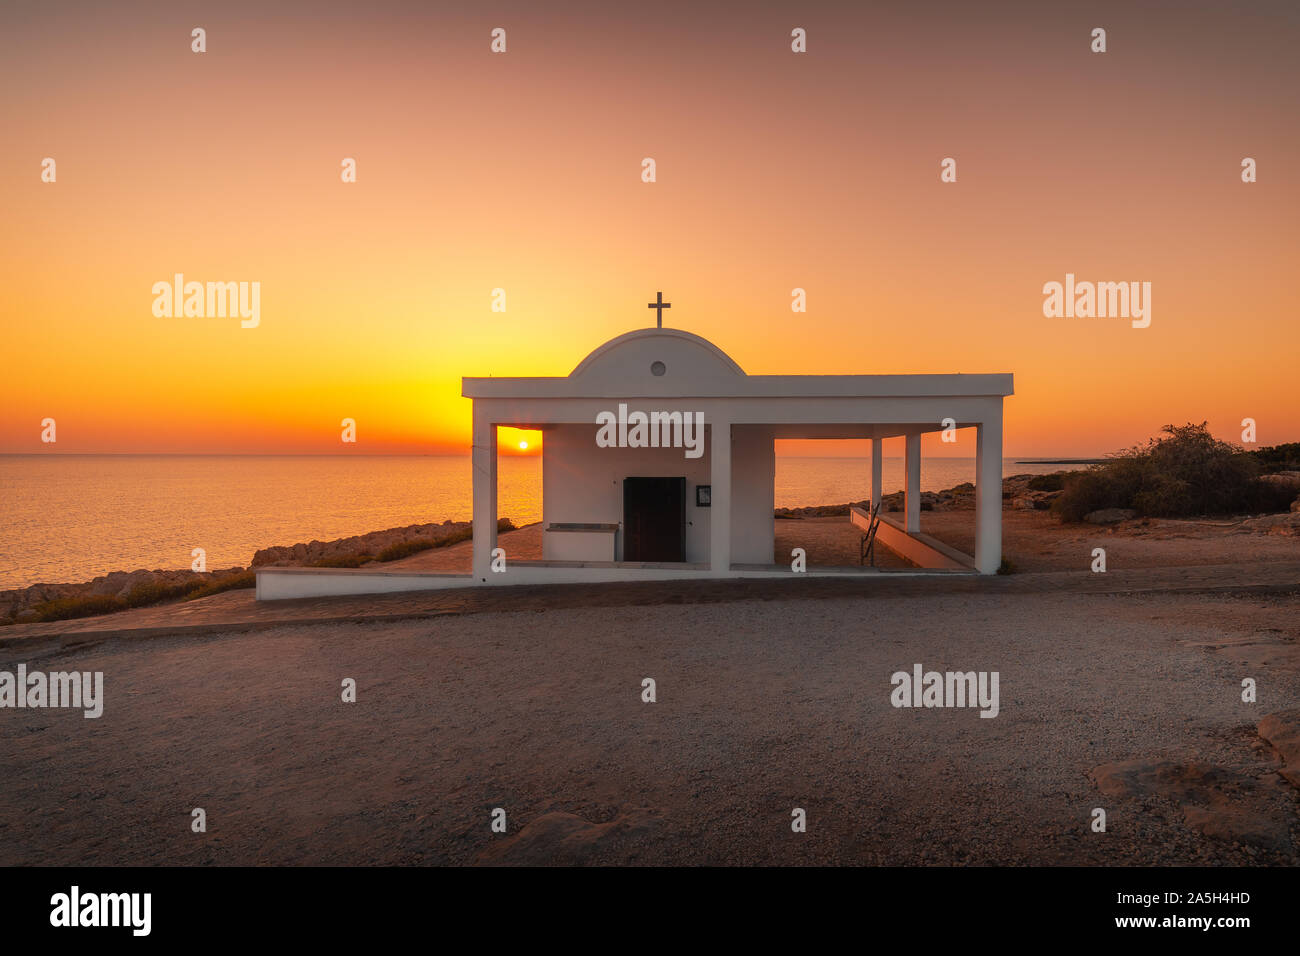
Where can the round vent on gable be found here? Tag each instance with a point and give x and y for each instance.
(630, 354)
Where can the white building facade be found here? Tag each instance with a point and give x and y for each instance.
(591, 517)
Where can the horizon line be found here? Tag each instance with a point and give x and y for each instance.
(240, 454)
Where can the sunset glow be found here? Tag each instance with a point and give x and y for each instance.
(774, 172)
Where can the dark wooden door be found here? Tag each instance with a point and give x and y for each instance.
(654, 519)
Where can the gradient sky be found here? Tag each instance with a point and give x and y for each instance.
(522, 171)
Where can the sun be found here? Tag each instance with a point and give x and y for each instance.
(519, 441)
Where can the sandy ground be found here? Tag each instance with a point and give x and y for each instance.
(762, 707)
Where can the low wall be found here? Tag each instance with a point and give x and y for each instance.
(284, 584)
(920, 549)
(580, 542)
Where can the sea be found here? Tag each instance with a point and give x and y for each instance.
(69, 518)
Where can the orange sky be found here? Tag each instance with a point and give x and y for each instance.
(522, 171)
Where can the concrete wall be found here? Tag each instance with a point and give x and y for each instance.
(283, 584)
(579, 545)
(582, 482)
(753, 489)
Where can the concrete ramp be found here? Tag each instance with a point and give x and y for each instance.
(921, 549)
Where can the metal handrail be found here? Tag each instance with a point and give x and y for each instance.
(867, 546)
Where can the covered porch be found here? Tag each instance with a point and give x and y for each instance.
(735, 535)
(713, 512)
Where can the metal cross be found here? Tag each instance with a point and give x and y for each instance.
(659, 304)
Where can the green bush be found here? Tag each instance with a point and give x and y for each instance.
(1184, 472)
(155, 592)
(1272, 496)
(1277, 458)
(142, 595)
(63, 609)
(344, 560)
(1053, 482)
(241, 579)
(1090, 490)
(404, 549)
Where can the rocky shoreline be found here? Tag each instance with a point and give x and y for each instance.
(120, 590)
(1020, 492)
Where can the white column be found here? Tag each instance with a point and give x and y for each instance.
(485, 493)
(720, 501)
(875, 471)
(988, 495)
(912, 497)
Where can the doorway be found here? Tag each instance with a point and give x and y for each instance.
(654, 519)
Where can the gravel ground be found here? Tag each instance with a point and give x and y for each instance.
(761, 707)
